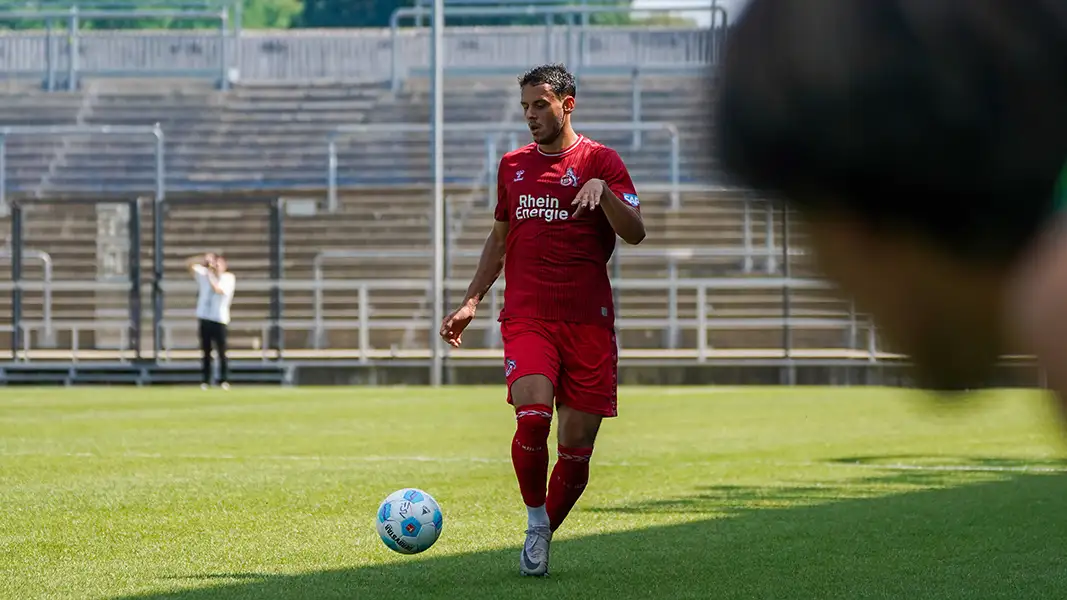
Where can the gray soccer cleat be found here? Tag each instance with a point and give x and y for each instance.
(534, 558)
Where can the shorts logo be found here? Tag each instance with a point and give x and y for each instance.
(631, 199)
(569, 179)
(509, 367)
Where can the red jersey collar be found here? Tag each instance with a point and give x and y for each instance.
(565, 151)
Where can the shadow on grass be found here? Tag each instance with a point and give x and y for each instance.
(207, 576)
(1004, 537)
(735, 499)
(957, 463)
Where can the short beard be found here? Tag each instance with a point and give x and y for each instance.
(556, 132)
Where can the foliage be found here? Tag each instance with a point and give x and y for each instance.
(283, 14)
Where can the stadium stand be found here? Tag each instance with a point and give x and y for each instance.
(272, 136)
(267, 138)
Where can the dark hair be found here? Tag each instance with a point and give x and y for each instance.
(555, 75)
(946, 116)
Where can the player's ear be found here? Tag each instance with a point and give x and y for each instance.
(568, 104)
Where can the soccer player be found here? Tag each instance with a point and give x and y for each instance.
(561, 202)
(922, 142)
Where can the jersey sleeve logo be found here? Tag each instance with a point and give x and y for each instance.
(631, 199)
(569, 179)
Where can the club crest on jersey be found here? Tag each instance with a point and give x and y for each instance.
(631, 199)
(569, 179)
(509, 367)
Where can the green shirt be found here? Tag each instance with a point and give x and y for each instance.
(1059, 195)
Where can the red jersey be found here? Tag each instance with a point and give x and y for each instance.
(556, 264)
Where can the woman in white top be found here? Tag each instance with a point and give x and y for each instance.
(216, 288)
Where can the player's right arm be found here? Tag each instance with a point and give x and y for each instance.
(490, 265)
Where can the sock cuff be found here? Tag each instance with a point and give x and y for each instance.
(574, 454)
(533, 411)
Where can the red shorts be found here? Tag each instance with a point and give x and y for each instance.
(580, 360)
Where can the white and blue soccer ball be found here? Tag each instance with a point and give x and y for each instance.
(409, 521)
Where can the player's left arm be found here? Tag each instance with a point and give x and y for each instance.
(614, 192)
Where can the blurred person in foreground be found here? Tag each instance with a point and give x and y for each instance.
(216, 285)
(923, 143)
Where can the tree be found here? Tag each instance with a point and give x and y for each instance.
(256, 14)
(348, 13)
(271, 14)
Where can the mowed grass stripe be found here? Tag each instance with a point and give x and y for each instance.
(695, 492)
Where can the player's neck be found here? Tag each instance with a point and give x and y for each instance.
(566, 139)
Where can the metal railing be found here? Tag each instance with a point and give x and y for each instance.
(702, 323)
(155, 131)
(720, 22)
(489, 128)
(72, 37)
(671, 257)
(46, 291)
(64, 49)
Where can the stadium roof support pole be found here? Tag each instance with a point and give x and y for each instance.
(787, 298)
(3, 170)
(438, 119)
(73, 50)
(526, 10)
(157, 245)
(16, 278)
(478, 127)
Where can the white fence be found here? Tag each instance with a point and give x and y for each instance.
(858, 337)
(332, 54)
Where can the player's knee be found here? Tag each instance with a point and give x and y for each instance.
(532, 389)
(534, 416)
(533, 423)
(576, 461)
(577, 439)
(578, 429)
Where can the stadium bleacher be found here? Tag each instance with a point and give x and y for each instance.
(270, 138)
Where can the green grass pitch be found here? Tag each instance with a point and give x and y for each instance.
(771, 493)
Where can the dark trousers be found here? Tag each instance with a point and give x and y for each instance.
(213, 334)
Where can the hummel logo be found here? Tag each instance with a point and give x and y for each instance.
(519, 174)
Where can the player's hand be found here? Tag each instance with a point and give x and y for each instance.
(588, 197)
(454, 324)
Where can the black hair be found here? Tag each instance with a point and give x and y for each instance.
(944, 116)
(555, 75)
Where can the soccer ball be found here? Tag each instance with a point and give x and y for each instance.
(409, 521)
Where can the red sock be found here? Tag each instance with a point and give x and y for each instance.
(529, 451)
(569, 477)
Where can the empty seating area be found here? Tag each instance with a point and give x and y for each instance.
(272, 135)
(270, 140)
